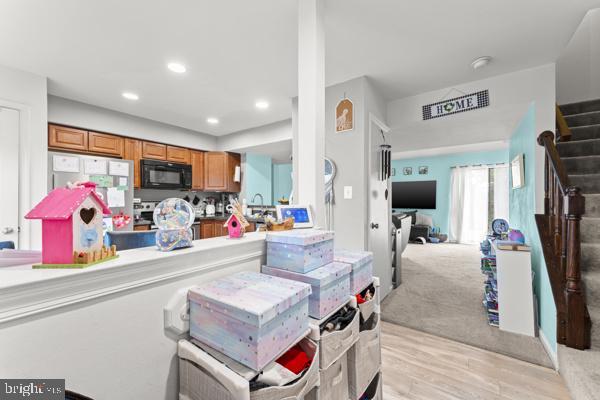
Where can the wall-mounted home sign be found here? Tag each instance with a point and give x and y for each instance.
(344, 116)
(464, 103)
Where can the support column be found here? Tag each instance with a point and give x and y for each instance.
(309, 124)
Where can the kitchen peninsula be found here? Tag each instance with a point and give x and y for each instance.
(109, 317)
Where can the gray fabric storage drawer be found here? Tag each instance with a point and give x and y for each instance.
(334, 344)
(202, 377)
(334, 382)
(375, 389)
(299, 389)
(364, 358)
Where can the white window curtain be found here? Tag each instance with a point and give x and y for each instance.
(501, 192)
(469, 192)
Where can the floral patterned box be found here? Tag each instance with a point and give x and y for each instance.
(330, 286)
(362, 267)
(300, 250)
(250, 317)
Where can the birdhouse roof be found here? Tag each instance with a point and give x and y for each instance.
(229, 219)
(61, 203)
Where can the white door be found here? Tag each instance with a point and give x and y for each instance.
(9, 175)
(379, 203)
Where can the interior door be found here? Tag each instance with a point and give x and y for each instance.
(379, 222)
(9, 175)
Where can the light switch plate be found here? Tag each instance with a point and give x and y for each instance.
(347, 192)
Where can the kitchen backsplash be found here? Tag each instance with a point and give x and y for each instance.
(159, 194)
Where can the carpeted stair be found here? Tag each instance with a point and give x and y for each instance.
(581, 155)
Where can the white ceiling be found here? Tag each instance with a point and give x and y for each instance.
(240, 51)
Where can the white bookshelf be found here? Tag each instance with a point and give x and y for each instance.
(515, 291)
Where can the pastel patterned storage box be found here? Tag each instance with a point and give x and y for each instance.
(362, 267)
(300, 250)
(330, 286)
(250, 317)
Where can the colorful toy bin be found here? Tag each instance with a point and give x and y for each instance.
(299, 250)
(174, 218)
(248, 316)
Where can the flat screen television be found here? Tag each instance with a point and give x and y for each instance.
(419, 194)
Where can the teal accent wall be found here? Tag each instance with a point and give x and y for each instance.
(282, 181)
(522, 211)
(259, 177)
(440, 170)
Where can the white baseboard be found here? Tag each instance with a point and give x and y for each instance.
(551, 353)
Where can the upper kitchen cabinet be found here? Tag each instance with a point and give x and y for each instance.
(178, 155)
(197, 160)
(154, 151)
(103, 143)
(64, 138)
(133, 151)
(219, 171)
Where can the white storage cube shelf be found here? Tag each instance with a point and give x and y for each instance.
(250, 317)
(299, 250)
(330, 286)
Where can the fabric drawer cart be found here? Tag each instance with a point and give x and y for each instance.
(362, 267)
(250, 317)
(202, 377)
(299, 250)
(330, 286)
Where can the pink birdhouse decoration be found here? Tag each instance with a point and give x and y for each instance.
(234, 227)
(71, 224)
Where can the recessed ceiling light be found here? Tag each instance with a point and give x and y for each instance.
(481, 62)
(176, 67)
(262, 105)
(130, 96)
(212, 121)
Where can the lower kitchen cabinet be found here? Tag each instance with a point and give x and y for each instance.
(207, 229)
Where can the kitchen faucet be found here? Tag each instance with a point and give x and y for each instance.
(262, 202)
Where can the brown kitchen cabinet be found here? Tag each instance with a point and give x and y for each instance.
(220, 230)
(251, 227)
(178, 155)
(207, 229)
(65, 138)
(197, 161)
(145, 227)
(132, 150)
(103, 143)
(154, 151)
(219, 170)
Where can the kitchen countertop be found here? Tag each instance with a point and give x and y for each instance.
(217, 217)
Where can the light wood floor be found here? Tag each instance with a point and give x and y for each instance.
(417, 365)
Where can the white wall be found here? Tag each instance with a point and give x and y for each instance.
(348, 152)
(272, 133)
(578, 67)
(73, 113)
(510, 96)
(27, 93)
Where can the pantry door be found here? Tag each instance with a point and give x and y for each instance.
(9, 175)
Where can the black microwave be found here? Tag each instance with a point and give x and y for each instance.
(166, 175)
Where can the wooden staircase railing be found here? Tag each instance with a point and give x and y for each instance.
(559, 229)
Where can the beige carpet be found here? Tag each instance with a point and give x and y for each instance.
(441, 293)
